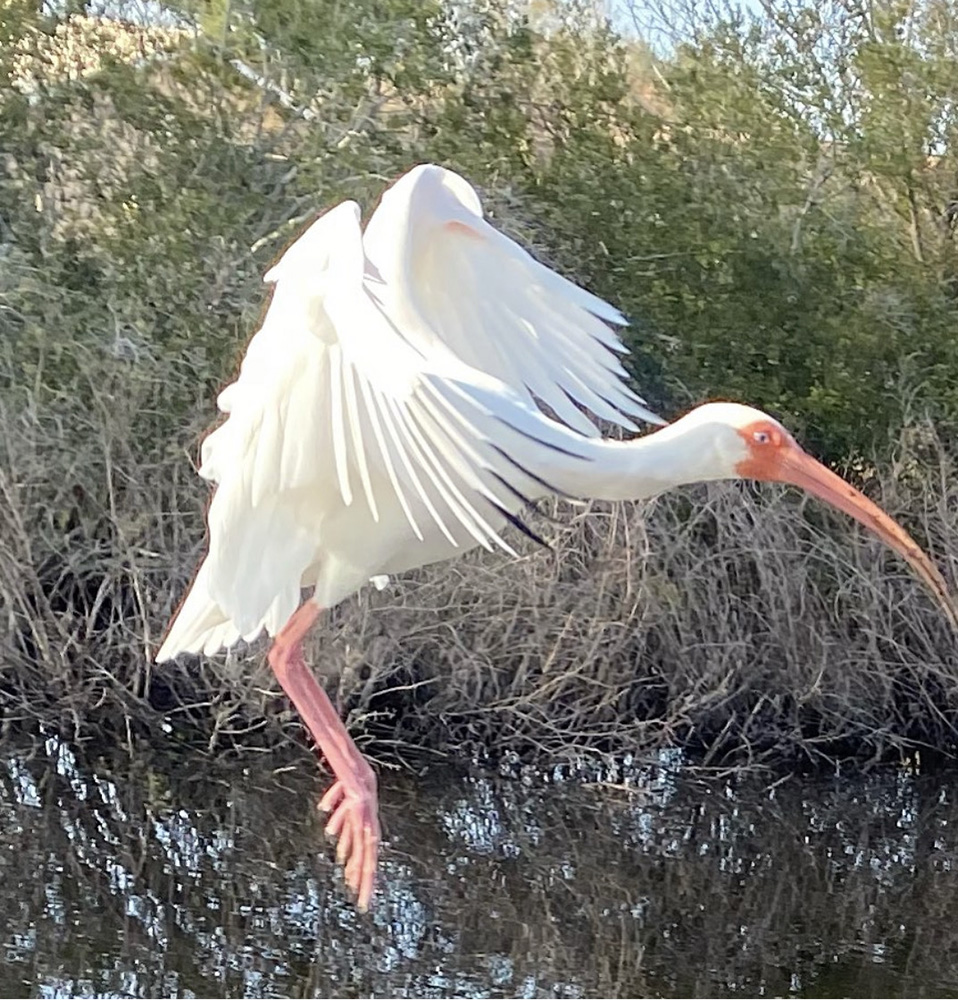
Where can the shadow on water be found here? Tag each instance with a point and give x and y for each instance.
(149, 878)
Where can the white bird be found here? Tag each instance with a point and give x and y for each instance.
(386, 416)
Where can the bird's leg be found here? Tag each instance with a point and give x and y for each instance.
(352, 799)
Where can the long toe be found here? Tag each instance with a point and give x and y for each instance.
(334, 795)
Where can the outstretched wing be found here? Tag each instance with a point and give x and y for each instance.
(329, 410)
(454, 283)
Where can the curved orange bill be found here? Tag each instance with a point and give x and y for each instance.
(799, 469)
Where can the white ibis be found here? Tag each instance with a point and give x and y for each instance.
(386, 416)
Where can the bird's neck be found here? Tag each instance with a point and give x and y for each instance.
(675, 455)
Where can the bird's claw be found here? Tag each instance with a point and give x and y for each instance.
(354, 823)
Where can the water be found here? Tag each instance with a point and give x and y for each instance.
(179, 878)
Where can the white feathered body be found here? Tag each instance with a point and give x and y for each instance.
(384, 415)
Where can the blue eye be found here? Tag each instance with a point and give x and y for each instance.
(761, 437)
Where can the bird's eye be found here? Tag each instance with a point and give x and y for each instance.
(761, 437)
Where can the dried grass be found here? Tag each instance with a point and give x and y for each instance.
(727, 620)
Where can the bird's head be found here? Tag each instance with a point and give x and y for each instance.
(749, 444)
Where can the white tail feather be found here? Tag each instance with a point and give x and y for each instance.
(200, 623)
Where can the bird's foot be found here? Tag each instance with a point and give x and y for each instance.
(354, 822)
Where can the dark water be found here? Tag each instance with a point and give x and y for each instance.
(139, 878)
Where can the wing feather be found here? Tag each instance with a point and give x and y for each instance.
(374, 413)
(430, 448)
(337, 421)
(455, 284)
(359, 449)
(544, 378)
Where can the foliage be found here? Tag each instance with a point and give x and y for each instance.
(773, 203)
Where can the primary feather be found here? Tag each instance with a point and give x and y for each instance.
(456, 284)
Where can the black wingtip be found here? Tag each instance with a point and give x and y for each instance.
(517, 522)
(522, 498)
(545, 444)
(548, 487)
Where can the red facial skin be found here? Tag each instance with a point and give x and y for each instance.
(774, 456)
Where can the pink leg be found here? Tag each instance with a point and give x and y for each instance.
(352, 798)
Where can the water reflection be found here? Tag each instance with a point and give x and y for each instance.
(147, 877)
